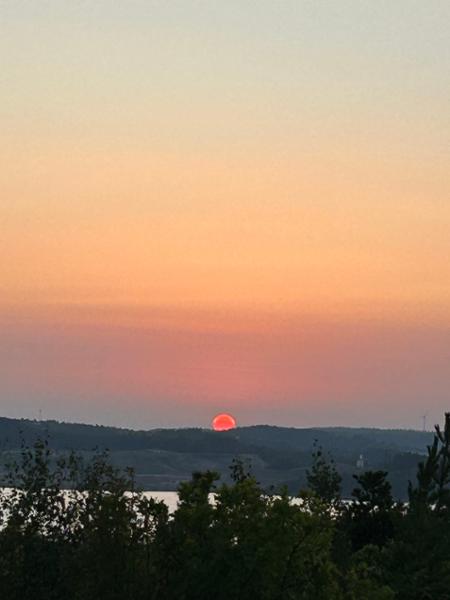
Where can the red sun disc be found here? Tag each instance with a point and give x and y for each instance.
(223, 422)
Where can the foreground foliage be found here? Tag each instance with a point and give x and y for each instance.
(104, 540)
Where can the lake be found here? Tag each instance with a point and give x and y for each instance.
(169, 498)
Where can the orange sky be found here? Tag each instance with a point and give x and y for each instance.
(223, 208)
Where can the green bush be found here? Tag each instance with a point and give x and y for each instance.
(75, 530)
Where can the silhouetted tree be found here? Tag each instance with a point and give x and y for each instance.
(419, 559)
(323, 478)
(80, 530)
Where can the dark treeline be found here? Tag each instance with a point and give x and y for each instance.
(162, 458)
(105, 540)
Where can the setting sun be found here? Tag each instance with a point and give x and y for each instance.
(223, 422)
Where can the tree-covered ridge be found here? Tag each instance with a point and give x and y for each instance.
(105, 540)
(83, 437)
(163, 458)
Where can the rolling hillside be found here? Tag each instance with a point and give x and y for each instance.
(278, 455)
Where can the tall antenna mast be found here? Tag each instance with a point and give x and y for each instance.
(424, 421)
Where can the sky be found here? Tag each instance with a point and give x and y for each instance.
(236, 206)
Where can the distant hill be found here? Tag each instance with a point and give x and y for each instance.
(278, 455)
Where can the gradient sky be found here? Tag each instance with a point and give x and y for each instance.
(225, 206)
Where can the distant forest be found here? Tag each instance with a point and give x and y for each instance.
(279, 456)
(75, 527)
